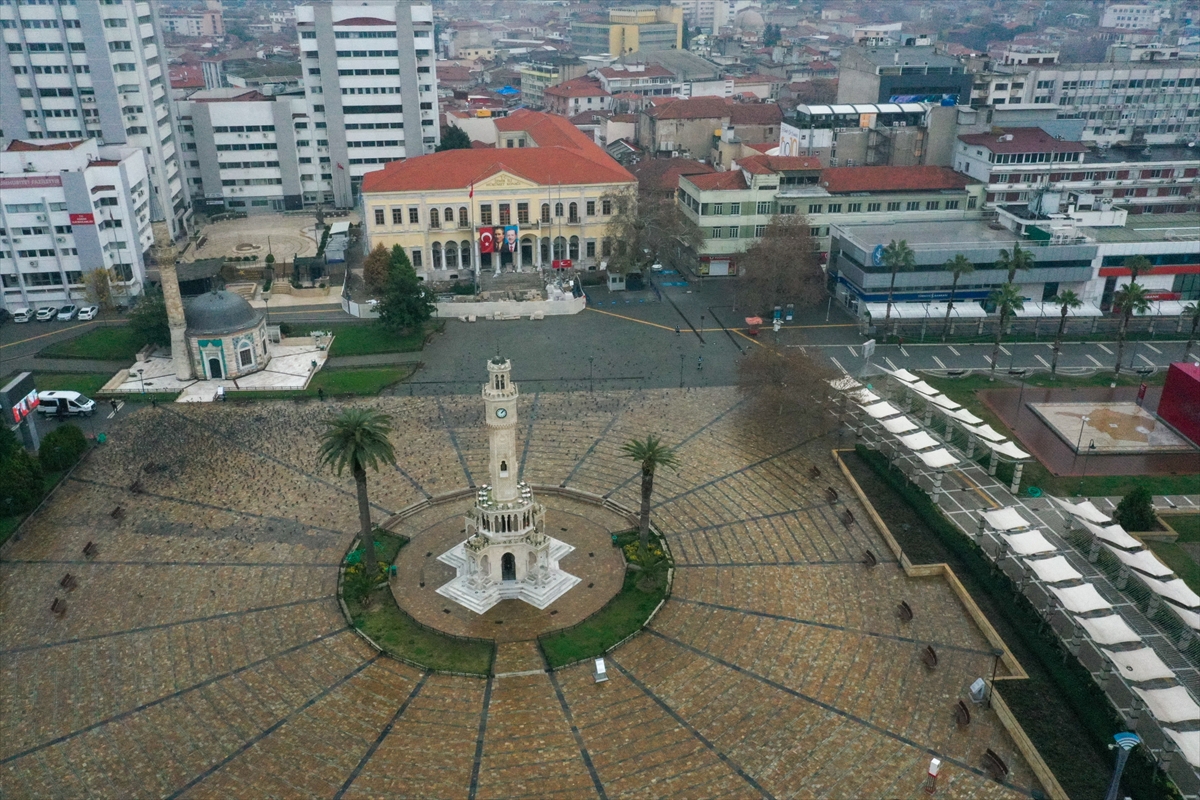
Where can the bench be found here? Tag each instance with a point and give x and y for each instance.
(136, 486)
(90, 549)
(929, 657)
(869, 560)
(118, 513)
(962, 714)
(814, 472)
(831, 494)
(58, 607)
(600, 673)
(904, 611)
(68, 582)
(847, 518)
(994, 765)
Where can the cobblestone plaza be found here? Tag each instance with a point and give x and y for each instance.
(203, 653)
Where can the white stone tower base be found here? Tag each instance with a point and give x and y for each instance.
(538, 593)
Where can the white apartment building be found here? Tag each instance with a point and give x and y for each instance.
(708, 15)
(1133, 16)
(370, 87)
(243, 151)
(67, 208)
(79, 69)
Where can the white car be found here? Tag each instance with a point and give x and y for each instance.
(22, 315)
(67, 313)
(89, 312)
(46, 314)
(656, 267)
(65, 403)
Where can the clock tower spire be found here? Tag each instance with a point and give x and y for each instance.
(500, 399)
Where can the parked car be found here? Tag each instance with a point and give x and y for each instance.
(66, 403)
(22, 314)
(46, 314)
(89, 312)
(67, 313)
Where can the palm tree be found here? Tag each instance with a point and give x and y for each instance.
(1067, 300)
(650, 454)
(1136, 266)
(897, 257)
(1130, 299)
(1018, 259)
(358, 438)
(1191, 310)
(1007, 299)
(959, 265)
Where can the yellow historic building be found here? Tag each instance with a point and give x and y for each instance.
(538, 197)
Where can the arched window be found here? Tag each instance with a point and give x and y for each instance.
(451, 256)
(574, 215)
(465, 251)
(558, 209)
(462, 217)
(545, 249)
(560, 248)
(574, 248)
(434, 220)
(448, 215)
(435, 251)
(545, 212)
(246, 356)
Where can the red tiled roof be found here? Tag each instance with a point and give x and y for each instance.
(838, 180)
(363, 22)
(453, 73)
(19, 146)
(478, 145)
(186, 76)
(763, 147)
(663, 173)
(733, 179)
(767, 165)
(579, 87)
(692, 108)
(755, 114)
(1024, 140)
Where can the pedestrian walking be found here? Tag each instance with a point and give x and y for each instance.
(699, 362)
(320, 394)
(113, 403)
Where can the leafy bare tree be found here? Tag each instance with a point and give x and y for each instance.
(1130, 299)
(1067, 300)
(959, 265)
(897, 257)
(786, 389)
(103, 288)
(782, 266)
(1007, 299)
(644, 226)
(377, 267)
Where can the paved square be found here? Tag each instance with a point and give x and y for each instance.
(1113, 427)
(203, 653)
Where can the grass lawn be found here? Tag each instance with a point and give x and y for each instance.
(116, 343)
(623, 615)
(1186, 525)
(370, 338)
(338, 383)
(399, 634)
(962, 390)
(1177, 559)
(87, 383)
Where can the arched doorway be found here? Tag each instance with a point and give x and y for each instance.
(214, 369)
(508, 567)
(526, 252)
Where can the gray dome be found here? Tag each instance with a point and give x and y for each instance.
(219, 312)
(749, 20)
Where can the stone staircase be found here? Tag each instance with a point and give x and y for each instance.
(247, 289)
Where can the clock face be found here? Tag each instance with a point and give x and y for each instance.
(501, 412)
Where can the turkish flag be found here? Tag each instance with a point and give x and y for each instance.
(487, 240)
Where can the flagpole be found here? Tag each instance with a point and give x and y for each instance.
(474, 235)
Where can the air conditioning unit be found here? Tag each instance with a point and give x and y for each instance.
(60, 239)
(33, 263)
(41, 217)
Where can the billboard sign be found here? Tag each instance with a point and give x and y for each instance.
(18, 398)
(83, 219)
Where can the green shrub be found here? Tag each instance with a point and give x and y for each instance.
(463, 288)
(285, 329)
(62, 447)
(1135, 512)
(20, 482)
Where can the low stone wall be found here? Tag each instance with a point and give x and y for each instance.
(512, 309)
(283, 287)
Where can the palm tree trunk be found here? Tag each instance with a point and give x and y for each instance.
(949, 307)
(1062, 324)
(369, 559)
(644, 513)
(996, 346)
(1121, 341)
(887, 316)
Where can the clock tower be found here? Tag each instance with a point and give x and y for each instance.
(500, 401)
(507, 554)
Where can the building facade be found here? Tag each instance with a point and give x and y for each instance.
(542, 72)
(539, 197)
(576, 96)
(67, 208)
(209, 22)
(371, 89)
(93, 69)
(899, 75)
(630, 30)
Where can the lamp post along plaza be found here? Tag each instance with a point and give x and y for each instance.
(1124, 742)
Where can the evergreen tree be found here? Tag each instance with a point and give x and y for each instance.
(405, 304)
(149, 318)
(454, 138)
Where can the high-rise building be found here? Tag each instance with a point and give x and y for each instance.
(371, 89)
(630, 29)
(92, 69)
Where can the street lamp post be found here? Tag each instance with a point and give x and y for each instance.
(681, 370)
(1020, 399)
(1088, 452)
(996, 654)
(1125, 743)
(1083, 421)
(142, 380)
(590, 360)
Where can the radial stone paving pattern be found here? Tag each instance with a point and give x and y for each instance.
(203, 653)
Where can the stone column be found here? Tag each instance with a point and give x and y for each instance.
(164, 254)
(993, 462)
(1016, 480)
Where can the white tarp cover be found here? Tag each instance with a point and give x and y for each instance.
(905, 376)
(1085, 510)
(1141, 560)
(864, 396)
(937, 459)
(1113, 534)
(1139, 666)
(1081, 599)
(1009, 449)
(1028, 544)
(844, 384)
(1112, 629)
(919, 441)
(963, 415)
(924, 388)
(987, 432)
(942, 401)
(899, 425)
(1053, 570)
(1170, 705)
(881, 410)
(1005, 519)
(1190, 618)
(1174, 590)
(1188, 743)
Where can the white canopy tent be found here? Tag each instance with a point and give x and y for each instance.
(924, 388)
(881, 410)
(1170, 705)
(844, 384)
(1166, 308)
(941, 401)
(1085, 510)
(863, 396)
(899, 425)
(1053, 570)
(1139, 666)
(1113, 534)
(1005, 519)
(938, 458)
(1188, 743)
(1028, 544)
(1049, 309)
(1009, 450)
(986, 432)
(904, 376)
(918, 441)
(1112, 629)
(1174, 590)
(1142, 560)
(1081, 599)
(963, 415)
(961, 310)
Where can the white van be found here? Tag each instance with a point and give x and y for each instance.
(22, 314)
(66, 403)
